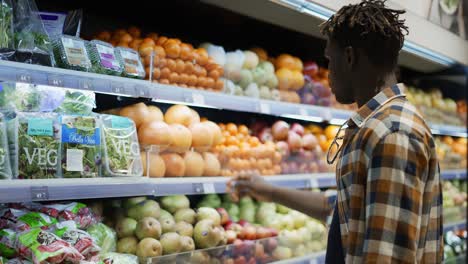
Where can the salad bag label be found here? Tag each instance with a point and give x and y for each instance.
(38, 139)
(121, 149)
(81, 146)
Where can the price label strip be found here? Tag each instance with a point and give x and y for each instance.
(265, 108)
(198, 98)
(313, 183)
(55, 81)
(208, 187)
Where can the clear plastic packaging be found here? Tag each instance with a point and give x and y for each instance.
(31, 40)
(82, 215)
(83, 242)
(132, 66)
(37, 136)
(6, 30)
(19, 97)
(7, 243)
(121, 150)
(117, 258)
(104, 58)
(5, 169)
(71, 53)
(105, 237)
(81, 146)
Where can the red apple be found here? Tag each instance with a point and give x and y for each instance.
(224, 215)
(243, 223)
(309, 142)
(265, 135)
(234, 227)
(280, 130)
(263, 232)
(283, 148)
(273, 232)
(310, 68)
(249, 232)
(257, 127)
(231, 236)
(294, 141)
(228, 223)
(298, 128)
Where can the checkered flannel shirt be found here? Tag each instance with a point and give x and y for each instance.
(389, 187)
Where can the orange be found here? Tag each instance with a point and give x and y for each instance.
(222, 126)
(447, 140)
(126, 38)
(243, 130)
(314, 129)
(323, 142)
(253, 141)
(231, 128)
(232, 140)
(331, 131)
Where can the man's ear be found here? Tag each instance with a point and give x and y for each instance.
(350, 57)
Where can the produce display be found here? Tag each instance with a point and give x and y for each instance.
(451, 152)
(436, 109)
(455, 246)
(454, 200)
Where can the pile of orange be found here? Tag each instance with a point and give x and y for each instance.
(241, 153)
(174, 62)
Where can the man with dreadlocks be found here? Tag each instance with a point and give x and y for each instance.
(389, 202)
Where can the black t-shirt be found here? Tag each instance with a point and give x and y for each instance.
(335, 254)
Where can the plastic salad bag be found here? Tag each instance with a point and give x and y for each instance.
(104, 236)
(104, 58)
(66, 101)
(117, 258)
(19, 97)
(5, 170)
(81, 146)
(38, 144)
(121, 150)
(6, 30)
(83, 242)
(132, 66)
(71, 53)
(31, 40)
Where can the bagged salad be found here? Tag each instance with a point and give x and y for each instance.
(21, 220)
(81, 146)
(19, 97)
(121, 150)
(104, 236)
(71, 53)
(37, 137)
(66, 101)
(5, 170)
(132, 66)
(7, 243)
(6, 30)
(104, 58)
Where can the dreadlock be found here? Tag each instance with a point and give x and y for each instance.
(371, 26)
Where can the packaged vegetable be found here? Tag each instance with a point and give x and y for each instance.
(81, 146)
(6, 30)
(83, 242)
(78, 212)
(70, 53)
(121, 150)
(117, 258)
(77, 102)
(43, 246)
(31, 40)
(5, 170)
(21, 220)
(104, 58)
(19, 97)
(7, 243)
(104, 236)
(38, 142)
(16, 261)
(132, 66)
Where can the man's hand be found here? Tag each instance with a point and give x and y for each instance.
(251, 185)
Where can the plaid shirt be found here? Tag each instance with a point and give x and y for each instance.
(389, 187)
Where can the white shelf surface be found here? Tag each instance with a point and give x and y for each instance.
(41, 75)
(88, 188)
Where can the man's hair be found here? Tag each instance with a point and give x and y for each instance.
(371, 26)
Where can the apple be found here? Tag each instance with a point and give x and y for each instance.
(299, 219)
(148, 227)
(309, 142)
(184, 229)
(173, 203)
(224, 215)
(305, 234)
(228, 261)
(282, 209)
(283, 148)
(294, 141)
(234, 227)
(125, 227)
(243, 222)
(127, 245)
(186, 214)
(271, 244)
(187, 243)
(200, 257)
(265, 135)
(240, 260)
(231, 236)
(299, 251)
(280, 130)
(310, 68)
(263, 232)
(249, 232)
(206, 234)
(298, 129)
(149, 247)
(273, 232)
(290, 238)
(143, 209)
(249, 248)
(171, 243)
(168, 225)
(209, 213)
(282, 253)
(127, 203)
(164, 214)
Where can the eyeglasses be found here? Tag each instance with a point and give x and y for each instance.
(338, 137)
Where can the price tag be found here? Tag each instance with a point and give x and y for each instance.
(303, 112)
(326, 114)
(198, 98)
(197, 188)
(265, 108)
(117, 88)
(314, 183)
(24, 77)
(208, 188)
(86, 84)
(39, 193)
(55, 81)
(142, 91)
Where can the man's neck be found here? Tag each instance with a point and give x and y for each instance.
(370, 87)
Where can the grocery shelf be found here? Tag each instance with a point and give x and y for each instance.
(88, 188)
(455, 226)
(305, 16)
(314, 258)
(42, 75)
(453, 174)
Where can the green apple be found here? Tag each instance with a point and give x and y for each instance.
(171, 243)
(282, 209)
(127, 203)
(127, 245)
(187, 243)
(209, 213)
(168, 225)
(184, 229)
(148, 208)
(186, 215)
(148, 248)
(125, 227)
(173, 203)
(206, 234)
(148, 227)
